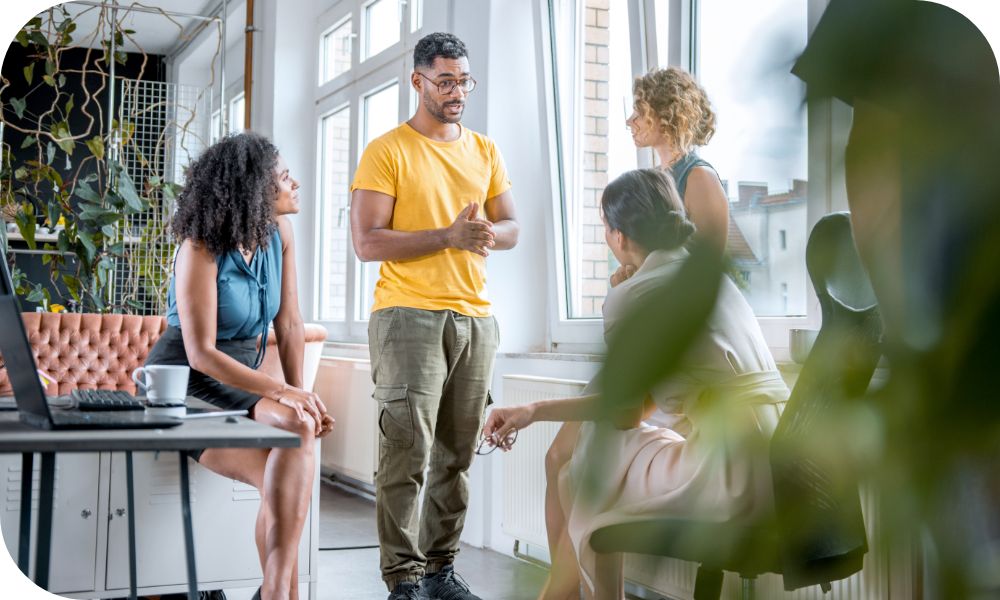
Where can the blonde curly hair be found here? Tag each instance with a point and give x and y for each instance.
(673, 99)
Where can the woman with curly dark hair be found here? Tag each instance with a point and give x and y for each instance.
(234, 274)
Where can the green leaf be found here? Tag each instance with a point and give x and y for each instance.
(72, 286)
(50, 66)
(25, 219)
(84, 191)
(62, 242)
(22, 38)
(50, 153)
(19, 105)
(96, 145)
(20, 173)
(90, 249)
(29, 73)
(126, 189)
(109, 230)
(36, 295)
(62, 80)
(54, 212)
(49, 80)
(69, 105)
(39, 39)
(28, 141)
(104, 268)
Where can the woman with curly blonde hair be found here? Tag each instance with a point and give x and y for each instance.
(673, 116)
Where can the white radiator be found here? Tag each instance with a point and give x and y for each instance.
(345, 387)
(524, 467)
(524, 519)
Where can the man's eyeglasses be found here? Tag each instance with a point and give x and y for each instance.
(488, 444)
(448, 86)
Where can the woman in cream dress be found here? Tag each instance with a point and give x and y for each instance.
(711, 461)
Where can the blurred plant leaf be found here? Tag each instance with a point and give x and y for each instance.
(19, 105)
(29, 73)
(96, 145)
(28, 141)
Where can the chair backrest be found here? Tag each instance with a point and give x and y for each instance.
(815, 487)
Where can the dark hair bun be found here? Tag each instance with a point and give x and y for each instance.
(674, 229)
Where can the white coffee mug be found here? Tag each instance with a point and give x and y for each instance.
(163, 384)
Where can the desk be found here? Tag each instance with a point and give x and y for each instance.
(191, 435)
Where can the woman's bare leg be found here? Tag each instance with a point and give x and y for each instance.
(285, 478)
(563, 581)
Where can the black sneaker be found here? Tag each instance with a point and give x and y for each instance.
(407, 591)
(446, 584)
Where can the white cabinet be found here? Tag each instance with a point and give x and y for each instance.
(75, 517)
(90, 526)
(223, 515)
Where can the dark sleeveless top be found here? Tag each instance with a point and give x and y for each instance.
(682, 168)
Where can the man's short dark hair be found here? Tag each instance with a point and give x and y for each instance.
(434, 45)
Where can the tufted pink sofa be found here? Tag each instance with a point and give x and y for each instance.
(101, 350)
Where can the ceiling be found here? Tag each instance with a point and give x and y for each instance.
(154, 33)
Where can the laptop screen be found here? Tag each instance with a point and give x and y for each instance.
(17, 357)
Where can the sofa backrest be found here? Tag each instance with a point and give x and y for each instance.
(100, 351)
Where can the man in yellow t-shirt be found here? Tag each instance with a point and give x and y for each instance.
(430, 199)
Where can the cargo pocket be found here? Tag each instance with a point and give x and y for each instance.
(395, 417)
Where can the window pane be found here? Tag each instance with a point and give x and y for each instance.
(237, 113)
(381, 26)
(333, 210)
(595, 96)
(381, 113)
(337, 51)
(416, 14)
(216, 127)
(745, 51)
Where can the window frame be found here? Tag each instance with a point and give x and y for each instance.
(828, 125)
(348, 89)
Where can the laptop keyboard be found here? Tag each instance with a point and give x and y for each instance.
(98, 400)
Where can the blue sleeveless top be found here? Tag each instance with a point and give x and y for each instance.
(682, 168)
(249, 294)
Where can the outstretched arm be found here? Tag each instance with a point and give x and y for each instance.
(502, 421)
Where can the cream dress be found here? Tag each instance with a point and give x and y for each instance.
(704, 453)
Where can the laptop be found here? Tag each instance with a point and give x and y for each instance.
(28, 391)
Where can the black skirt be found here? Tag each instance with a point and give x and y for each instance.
(169, 350)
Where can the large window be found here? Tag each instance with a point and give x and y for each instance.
(592, 40)
(741, 53)
(380, 109)
(744, 53)
(335, 129)
(382, 20)
(358, 98)
(336, 50)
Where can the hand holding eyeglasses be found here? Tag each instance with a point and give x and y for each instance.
(502, 425)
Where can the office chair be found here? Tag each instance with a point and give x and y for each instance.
(816, 534)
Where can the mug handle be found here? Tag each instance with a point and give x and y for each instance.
(136, 376)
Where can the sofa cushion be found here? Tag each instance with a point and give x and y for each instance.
(81, 350)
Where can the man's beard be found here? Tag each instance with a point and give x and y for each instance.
(437, 111)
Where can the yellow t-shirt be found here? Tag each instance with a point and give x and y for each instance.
(432, 182)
